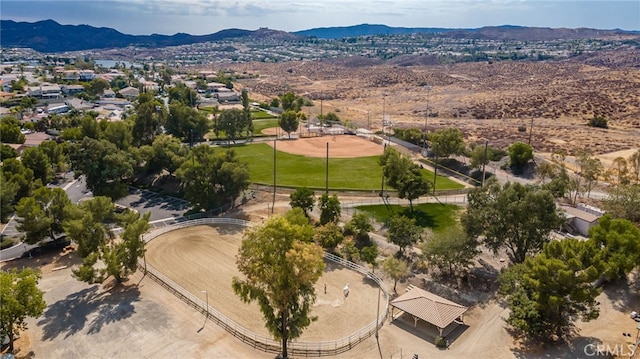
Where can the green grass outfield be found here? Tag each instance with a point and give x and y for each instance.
(436, 216)
(361, 173)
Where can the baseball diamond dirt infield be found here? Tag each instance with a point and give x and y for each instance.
(340, 146)
(202, 258)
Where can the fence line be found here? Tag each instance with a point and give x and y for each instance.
(299, 348)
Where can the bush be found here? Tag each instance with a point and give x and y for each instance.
(522, 129)
(6, 243)
(598, 121)
(441, 342)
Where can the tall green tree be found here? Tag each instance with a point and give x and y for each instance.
(57, 154)
(20, 298)
(103, 254)
(330, 209)
(404, 232)
(213, 178)
(280, 266)
(36, 160)
(165, 153)
(303, 198)
(119, 133)
(8, 192)
(479, 157)
(448, 141)
(232, 122)
(289, 121)
(450, 250)
(402, 174)
(186, 123)
(515, 217)
(328, 236)
(359, 225)
(148, 120)
(396, 268)
(590, 170)
(107, 170)
(619, 243)
(42, 214)
(548, 292)
(624, 202)
(519, 155)
(10, 130)
(15, 172)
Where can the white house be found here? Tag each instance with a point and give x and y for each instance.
(581, 219)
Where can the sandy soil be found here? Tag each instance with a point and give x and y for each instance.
(340, 146)
(203, 258)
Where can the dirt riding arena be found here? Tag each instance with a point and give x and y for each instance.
(340, 146)
(202, 258)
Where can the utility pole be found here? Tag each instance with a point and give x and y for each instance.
(435, 171)
(274, 175)
(326, 181)
(484, 160)
(530, 131)
(425, 146)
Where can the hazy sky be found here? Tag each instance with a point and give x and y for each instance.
(143, 17)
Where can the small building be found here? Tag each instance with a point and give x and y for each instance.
(581, 219)
(71, 89)
(130, 92)
(227, 97)
(45, 91)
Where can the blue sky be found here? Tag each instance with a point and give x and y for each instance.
(143, 17)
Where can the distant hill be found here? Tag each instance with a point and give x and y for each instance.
(49, 36)
(367, 29)
(504, 32)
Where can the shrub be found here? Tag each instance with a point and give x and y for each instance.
(598, 121)
(6, 243)
(522, 129)
(441, 342)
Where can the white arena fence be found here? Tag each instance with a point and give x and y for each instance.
(267, 344)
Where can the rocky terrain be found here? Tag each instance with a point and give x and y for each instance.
(488, 100)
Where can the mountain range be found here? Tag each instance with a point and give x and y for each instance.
(49, 36)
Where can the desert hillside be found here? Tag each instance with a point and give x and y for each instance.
(488, 101)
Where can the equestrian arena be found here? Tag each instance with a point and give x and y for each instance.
(196, 261)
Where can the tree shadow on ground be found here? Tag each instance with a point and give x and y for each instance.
(578, 347)
(622, 296)
(70, 315)
(422, 218)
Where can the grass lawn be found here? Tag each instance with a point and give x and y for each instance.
(362, 173)
(433, 215)
(261, 115)
(259, 125)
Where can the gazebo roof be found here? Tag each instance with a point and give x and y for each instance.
(429, 307)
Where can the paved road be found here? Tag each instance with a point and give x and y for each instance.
(164, 209)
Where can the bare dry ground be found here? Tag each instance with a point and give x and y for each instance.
(340, 146)
(486, 101)
(203, 258)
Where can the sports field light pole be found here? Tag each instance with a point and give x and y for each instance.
(273, 204)
(384, 95)
(425, 147)
(326, 180)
